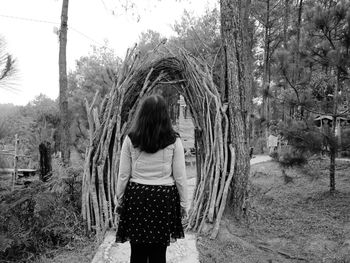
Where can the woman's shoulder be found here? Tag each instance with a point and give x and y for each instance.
(127, 139)
(173, 144)
(178, 142)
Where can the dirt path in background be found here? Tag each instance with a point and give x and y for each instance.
(295, 222)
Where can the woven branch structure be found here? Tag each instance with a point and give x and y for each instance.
(109, 121)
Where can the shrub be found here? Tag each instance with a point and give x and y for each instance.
(42, 216)
(260, 145)
(303, 136)
(4, 163)
(290, 156)
(345, 153)
(274, 155)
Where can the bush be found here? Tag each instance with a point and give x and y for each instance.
(274, 155)
(290, 156)
(42, 216)
(345, 153)
(4, 163)
(260, 145)
(304, 137)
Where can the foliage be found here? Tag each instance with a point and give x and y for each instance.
(44, 110)
(148, 41)
(7, 111)
(201, 37)
(35, 122)
(308, 56)
(7, 67)
(41, 216)
(310, 69)
(95, 72)
(304, 139)
(304, 136)
(260, 145)
(291, 156)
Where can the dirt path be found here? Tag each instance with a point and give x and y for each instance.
(260, 159)
(183, 251)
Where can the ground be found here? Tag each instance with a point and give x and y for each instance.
(80, 253)
(295, 222)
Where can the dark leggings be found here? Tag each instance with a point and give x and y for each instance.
(148, 253)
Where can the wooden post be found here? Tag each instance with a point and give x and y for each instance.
(15, 159)
(45, 161)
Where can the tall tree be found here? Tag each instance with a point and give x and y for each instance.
(286, 23)
(316, 67)
(269, 15)
(63, 99)
(266, 74)
(236, 43)
(328, 45)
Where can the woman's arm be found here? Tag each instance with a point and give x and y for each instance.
(179, 172)
(124, 168)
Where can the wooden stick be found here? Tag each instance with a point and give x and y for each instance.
(224, 197)
(225, 168)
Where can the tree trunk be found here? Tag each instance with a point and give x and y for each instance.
(63, 99)
(285, 40)
(285, 24)
(297, 54)
(45, 161)
(266, 79)
(334, 146)
(332, 171)
(236, 43)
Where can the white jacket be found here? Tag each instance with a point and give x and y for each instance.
(164, 167)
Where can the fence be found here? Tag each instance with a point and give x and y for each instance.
(15, 163)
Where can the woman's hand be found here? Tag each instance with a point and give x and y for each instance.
(118, 205)
(184, 213)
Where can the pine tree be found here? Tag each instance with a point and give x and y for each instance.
(316, 66)
(236, 40)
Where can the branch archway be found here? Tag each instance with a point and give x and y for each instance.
(109, 122)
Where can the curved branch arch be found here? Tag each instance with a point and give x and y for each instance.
(109, 122)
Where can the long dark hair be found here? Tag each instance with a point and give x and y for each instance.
(152, 129)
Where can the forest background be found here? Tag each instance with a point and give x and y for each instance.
(301, 71)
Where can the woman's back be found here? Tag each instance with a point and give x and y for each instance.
(151, 184)
(153, 168)
(164, 167)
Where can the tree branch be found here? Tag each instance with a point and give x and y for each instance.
(291, 85)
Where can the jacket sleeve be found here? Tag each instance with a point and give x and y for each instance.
(124, 168)
(179, 172)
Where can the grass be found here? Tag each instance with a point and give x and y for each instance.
(295, 222)
(83, 252)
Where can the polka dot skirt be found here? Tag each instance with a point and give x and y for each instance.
(151, 215)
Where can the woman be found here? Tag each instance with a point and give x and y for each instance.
(152, 184)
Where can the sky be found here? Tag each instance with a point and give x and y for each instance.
(29, 28)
